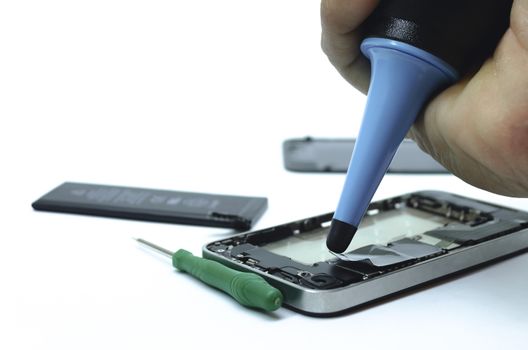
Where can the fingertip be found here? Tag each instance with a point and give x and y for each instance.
(343, 16)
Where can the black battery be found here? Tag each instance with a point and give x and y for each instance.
(192, 208)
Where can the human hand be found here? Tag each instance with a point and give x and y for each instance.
(478, 127)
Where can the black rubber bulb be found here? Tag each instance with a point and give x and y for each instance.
(463, 33)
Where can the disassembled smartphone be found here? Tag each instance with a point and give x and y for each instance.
(333, 155)
(402, 242)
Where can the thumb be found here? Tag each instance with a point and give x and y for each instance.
(519, 22)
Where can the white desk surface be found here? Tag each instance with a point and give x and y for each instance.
(193, 96)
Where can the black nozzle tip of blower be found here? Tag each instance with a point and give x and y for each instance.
(340, 236)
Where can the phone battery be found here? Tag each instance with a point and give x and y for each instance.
(205, 209)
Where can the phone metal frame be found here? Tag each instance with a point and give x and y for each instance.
(333, 301)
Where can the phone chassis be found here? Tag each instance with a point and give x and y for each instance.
(403, 242)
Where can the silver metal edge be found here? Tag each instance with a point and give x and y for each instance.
(340, 299)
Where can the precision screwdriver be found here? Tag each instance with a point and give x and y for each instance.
(247, 288)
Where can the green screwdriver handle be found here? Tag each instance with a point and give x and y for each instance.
(247, 288)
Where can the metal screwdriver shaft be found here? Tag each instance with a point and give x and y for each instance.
(156, 247)
(248, 289)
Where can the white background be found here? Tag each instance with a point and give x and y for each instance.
(192, 96)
